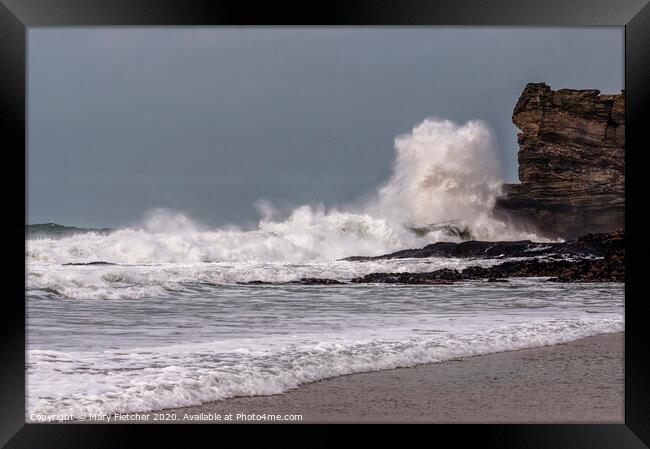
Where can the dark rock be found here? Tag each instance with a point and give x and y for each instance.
(610, 268)
(607, 269)
(99, 262)
(316, 281)
(302, 281)
(588, 245)
(438, 277)
(571, 162)
(594, 258)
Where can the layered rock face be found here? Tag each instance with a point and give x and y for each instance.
(571, 162)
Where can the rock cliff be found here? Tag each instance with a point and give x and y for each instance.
(571, 162)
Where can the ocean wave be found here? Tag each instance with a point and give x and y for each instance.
(146, 379)
(147, 281)
(444, 184)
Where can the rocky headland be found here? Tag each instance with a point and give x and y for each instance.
(571, 162)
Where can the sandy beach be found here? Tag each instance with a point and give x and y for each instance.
(578, 382)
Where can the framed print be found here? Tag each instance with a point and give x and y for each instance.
(359, 213)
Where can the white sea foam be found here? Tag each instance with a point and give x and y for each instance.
(82, 383)
(308, 234)
(147, 281)
(443, 173)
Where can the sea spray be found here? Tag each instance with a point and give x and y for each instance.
(444, 173)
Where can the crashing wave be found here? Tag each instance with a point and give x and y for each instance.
(443, 187)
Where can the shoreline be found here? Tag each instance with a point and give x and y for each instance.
(576, 382)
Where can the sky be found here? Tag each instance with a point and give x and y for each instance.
(209, 120)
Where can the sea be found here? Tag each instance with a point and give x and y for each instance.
(148, 318)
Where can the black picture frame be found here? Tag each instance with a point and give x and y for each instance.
(17, 15)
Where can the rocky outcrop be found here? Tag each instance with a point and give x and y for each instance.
(571, 162)
(589, 245)
(301, 281)
(590, 258)
(611, 268)
(97, 262)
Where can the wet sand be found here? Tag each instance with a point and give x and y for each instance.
(578, 382)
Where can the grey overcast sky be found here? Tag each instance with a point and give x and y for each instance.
(208, 120)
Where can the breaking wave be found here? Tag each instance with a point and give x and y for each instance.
(202, 373)
(443, 187)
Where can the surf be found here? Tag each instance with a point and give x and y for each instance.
(443, 186)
